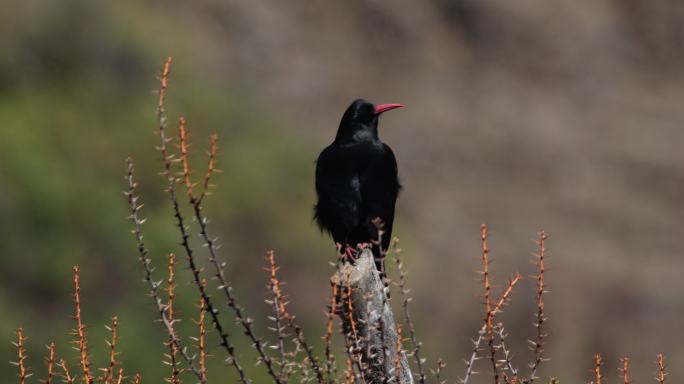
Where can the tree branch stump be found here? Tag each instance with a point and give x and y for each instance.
(368, 323)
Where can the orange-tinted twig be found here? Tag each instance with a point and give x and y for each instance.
(109, 371)
(201, 345)
(171, 315)
(21, 356)
(662, 372)
(350, 308)
(496, 308)
(330, 365)
(351, 337)
(488, 304)
(164, 83)
(505, 296)
(279, 301)
(407, 314)
(120, 376)
(137, 379)
(624, 370)
(224, 284)
(66, 374)
(185, 164)
(397, 357)
(278, 305)
(537, 345)
(485, 276)
(211, 167)
(598, 362)
(50, 363)
(81, 330)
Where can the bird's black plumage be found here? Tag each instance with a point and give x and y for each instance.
(357, 181)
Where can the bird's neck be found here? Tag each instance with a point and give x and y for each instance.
(359, 134)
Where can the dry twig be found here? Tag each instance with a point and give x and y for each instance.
(201, 343)
(211, 167)
(495, 309)
(403, 289)
(168, 160)
(290, 319)
(662, 372)
(624, 370)
(134, 209)
(598, 362)
(80, 331)
(171, 315)
(210, 243)
(21, 356)
(66, 375)
(506, 361)
(109, 371)
(330, 364)
(50, 363)
(537, 345)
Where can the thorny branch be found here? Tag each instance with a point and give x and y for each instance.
(508, 364)
(488, 306)
(201, 343)
(662, 372)
(210, 243)
(66, 375)
(290, 319)
(50, 363)
(495, 309)
(279, 328)
(134, 209)
(171, 313)
(80, 331)
(598, 362)
(624, 370)
(168, 160)
(404, 290)
(21, 354)
(537, 345)
(112, 343)
(330, 364)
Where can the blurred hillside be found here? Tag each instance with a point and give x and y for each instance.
(560, 115)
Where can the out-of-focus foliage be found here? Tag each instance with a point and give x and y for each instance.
(525, 115)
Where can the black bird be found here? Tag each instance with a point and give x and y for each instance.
(357, 182)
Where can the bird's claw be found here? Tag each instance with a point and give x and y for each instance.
(350, 254)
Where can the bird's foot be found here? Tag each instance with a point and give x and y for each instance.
(350, 254)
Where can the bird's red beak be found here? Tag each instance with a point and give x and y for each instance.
(387, 107)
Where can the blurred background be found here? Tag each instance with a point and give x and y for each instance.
(526, 115)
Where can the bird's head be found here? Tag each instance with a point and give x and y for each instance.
(360, 120)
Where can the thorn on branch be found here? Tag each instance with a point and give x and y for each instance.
(81, 331)
(21, 356)
(662, 372)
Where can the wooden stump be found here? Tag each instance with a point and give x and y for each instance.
(368, 323)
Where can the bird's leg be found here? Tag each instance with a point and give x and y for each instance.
(363, 246)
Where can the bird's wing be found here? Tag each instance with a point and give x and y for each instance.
(339, 194)
(379, 190)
